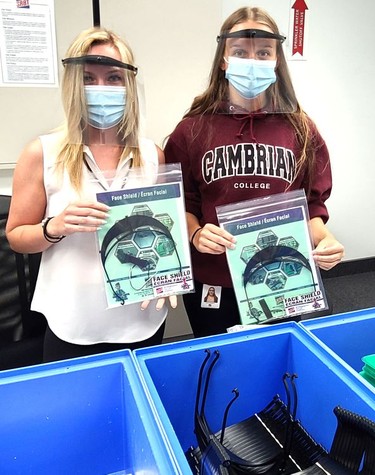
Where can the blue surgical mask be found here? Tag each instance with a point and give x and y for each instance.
(250, 77)
(105, 105)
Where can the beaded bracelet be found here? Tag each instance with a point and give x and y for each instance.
(48, 237)
(193, 235)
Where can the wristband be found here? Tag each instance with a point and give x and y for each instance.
(193, 235)
(48, 237)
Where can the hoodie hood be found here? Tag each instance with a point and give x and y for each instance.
(244, 117)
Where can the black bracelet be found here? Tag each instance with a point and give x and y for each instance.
(193, 235)
(48, 237)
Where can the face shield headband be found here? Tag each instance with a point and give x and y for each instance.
(100, 60)
(251, 33)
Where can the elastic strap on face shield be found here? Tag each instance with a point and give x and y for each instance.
(98, 59)
(251, 33)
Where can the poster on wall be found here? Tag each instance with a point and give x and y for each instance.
(28, 43)
(298, 30)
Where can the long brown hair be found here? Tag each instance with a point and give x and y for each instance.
(70, 156)
(282, 92)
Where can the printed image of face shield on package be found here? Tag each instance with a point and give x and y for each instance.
(272, 268)
(254, 65)
(108, 98)
(144, 247)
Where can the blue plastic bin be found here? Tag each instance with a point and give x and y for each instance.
(253, 361)
(84, 416)
(349, 336)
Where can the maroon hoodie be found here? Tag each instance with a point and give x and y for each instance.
(227, 158)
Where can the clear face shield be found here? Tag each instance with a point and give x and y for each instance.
(256, 71)
(110, 98)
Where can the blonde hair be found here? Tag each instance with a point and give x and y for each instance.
(70, 156)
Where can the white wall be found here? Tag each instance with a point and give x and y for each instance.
(174, 42)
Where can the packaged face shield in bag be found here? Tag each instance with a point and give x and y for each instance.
(144, 247)
(272, 267)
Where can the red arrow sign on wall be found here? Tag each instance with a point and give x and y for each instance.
(299, 8)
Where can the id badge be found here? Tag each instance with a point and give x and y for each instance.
(211, 296)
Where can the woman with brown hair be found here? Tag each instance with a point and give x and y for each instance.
(246, 137)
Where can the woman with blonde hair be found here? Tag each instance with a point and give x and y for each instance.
(54, 208)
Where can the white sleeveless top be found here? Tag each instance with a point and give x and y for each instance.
(70, 287)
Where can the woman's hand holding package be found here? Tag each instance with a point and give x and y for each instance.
(80, 216)
(212, 239)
